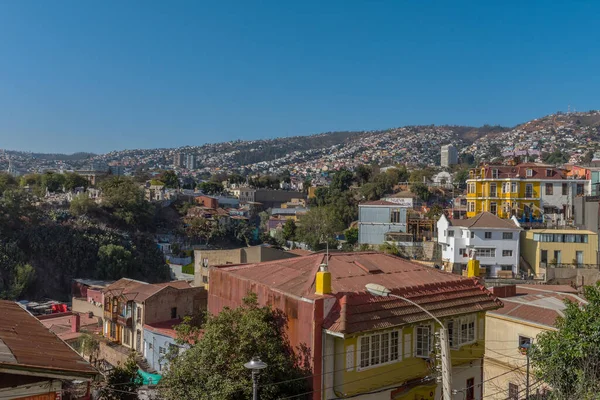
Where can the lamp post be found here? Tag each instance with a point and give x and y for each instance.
(255, 365)
(382, 291)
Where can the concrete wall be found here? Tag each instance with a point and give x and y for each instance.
(187, 301)
(153, 342)
(578, 276)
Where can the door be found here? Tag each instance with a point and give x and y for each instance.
(579, 257)
(557, 256)
(138, 341)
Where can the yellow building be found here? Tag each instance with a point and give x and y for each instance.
(542, 248)
(526, 190)
(528, 311)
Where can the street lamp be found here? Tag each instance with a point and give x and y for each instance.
(381, 291)
(255, 365)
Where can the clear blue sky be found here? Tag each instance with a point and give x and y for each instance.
(103, 75)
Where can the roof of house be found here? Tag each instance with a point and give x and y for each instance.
(132, 289)
(538, 171)
(378, 203)
(564, 231)
(93, 282)
(484, 220)
(26, 343)
(540, 306)
(165, 328)
(299, 252)
(60, 324)
(444, 294)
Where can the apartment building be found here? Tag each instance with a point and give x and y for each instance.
(379, 220)
(495, 242)
(528, 191)
(362, 346)
(449, 156)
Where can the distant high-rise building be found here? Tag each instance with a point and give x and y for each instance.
(449, 155)
(190, 161)
(179, 160)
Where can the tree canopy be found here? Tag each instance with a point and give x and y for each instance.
(568, 359)
(211, 187)
(213, 366)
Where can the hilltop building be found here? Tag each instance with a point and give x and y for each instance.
(179, 160)
(449, 156)
(379, 219)
(361, 346)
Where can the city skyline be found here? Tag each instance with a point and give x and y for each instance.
(80, 77)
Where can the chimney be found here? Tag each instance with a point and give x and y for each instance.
(75, 322)
(323, 280)
(473, 265)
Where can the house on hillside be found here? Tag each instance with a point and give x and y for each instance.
(363, 346)
(378, 219)
(495, 242)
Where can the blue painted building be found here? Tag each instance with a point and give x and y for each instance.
(159, 340)
(377, 219)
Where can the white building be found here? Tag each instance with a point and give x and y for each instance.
(449, 155)
(495, 240)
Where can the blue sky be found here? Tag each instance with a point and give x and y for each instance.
(103, 75)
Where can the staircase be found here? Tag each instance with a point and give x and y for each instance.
(143, 364)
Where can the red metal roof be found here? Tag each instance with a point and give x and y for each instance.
(165, 328)
(140, 291)
(443, 293)
(60, 324)
(378, 203)
(26, 342)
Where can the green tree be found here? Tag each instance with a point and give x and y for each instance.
(289, 230)
(421, 190)
(73, 181)
(567, 359)
(351, 235)
(170, 179)
(319, 226)
(211, 187)
(126, 199)
(114, 261)
(7, 181)
(23, 276)
(203, 228)
(213, 367)
(243, 232)
(461, 176)
(341, 180)
(52, 181)
(556, 157)
(31, 180)
(89, 347)
(363, 173)
(588, 157)
(82, 204)
(122, 382)
(389, 249)
(434, 212)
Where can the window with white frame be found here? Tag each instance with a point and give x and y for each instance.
(471, 206)
(378, 349)
(461, 331)
(487, 235)
(486, 252)
(506, 253)
(423, 341)
(507, 235)
(450, 233)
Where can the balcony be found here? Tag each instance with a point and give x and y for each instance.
(123, 320)
(110, 316)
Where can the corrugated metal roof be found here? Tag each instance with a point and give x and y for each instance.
(32, 345)
(442, 293)
(140, 291)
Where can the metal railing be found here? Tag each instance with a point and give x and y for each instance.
(571, 266)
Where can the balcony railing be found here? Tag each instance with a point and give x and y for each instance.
(571, 266)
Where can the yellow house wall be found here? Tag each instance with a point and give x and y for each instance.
(482, 198)
(503, 356)
(531, 250)
(350, 382)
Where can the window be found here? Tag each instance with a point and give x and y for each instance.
(494, 174)
(548, 172)
(423, 338)
(450, 233)
(544, 256)
(126, 336)
(529, 191)
(470, 394)
(471, 188)
(580, 189)
(396, 216)
(204, 279)
(483, 252)
(472, 235)
(150, 346)
(529, 173)
(565, 189)
(493, 190)
(506, 267)
(378, 349)
(461, 331)
(506, 253)
(462, 252)
(513, 392)
(173, 312)
(471, 206)
(549, 189)
(579, 257)
(139, 315)
(506, 187)
(488, 235)
(524, 341)
(493, 208)
(507, 235)
(161, 350)
(514, 187)
(557, 256)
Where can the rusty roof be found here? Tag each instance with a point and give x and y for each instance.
(443, 293)
(538, 171)
(166, 328)
(484, 220)
(378, 203)
(60, 324)
(140, 291)
(26, 343)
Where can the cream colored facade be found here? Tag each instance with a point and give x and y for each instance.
(504, 365)
(542, 248)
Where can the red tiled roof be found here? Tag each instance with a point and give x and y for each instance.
(26, 342)
(355, 310)
(140, 291)
(520, 171)
(60, 324)
(165, 328)
(378, 203)
(484, 220)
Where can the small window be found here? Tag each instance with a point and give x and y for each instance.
(472, 234)
(396, 216)
(450, 233)
(462, 252)
(507, 253)
(548, 172)
(565, 189)
(161, 350)
(471, 206)
(513, 187)
(423, 338)
(204, 279)
(580, 190)
(507, 235)
(494, 174)
(470, 394)
(173, 312)
(488, 235)
(529, 173)
(524, 341)
(549, 189)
